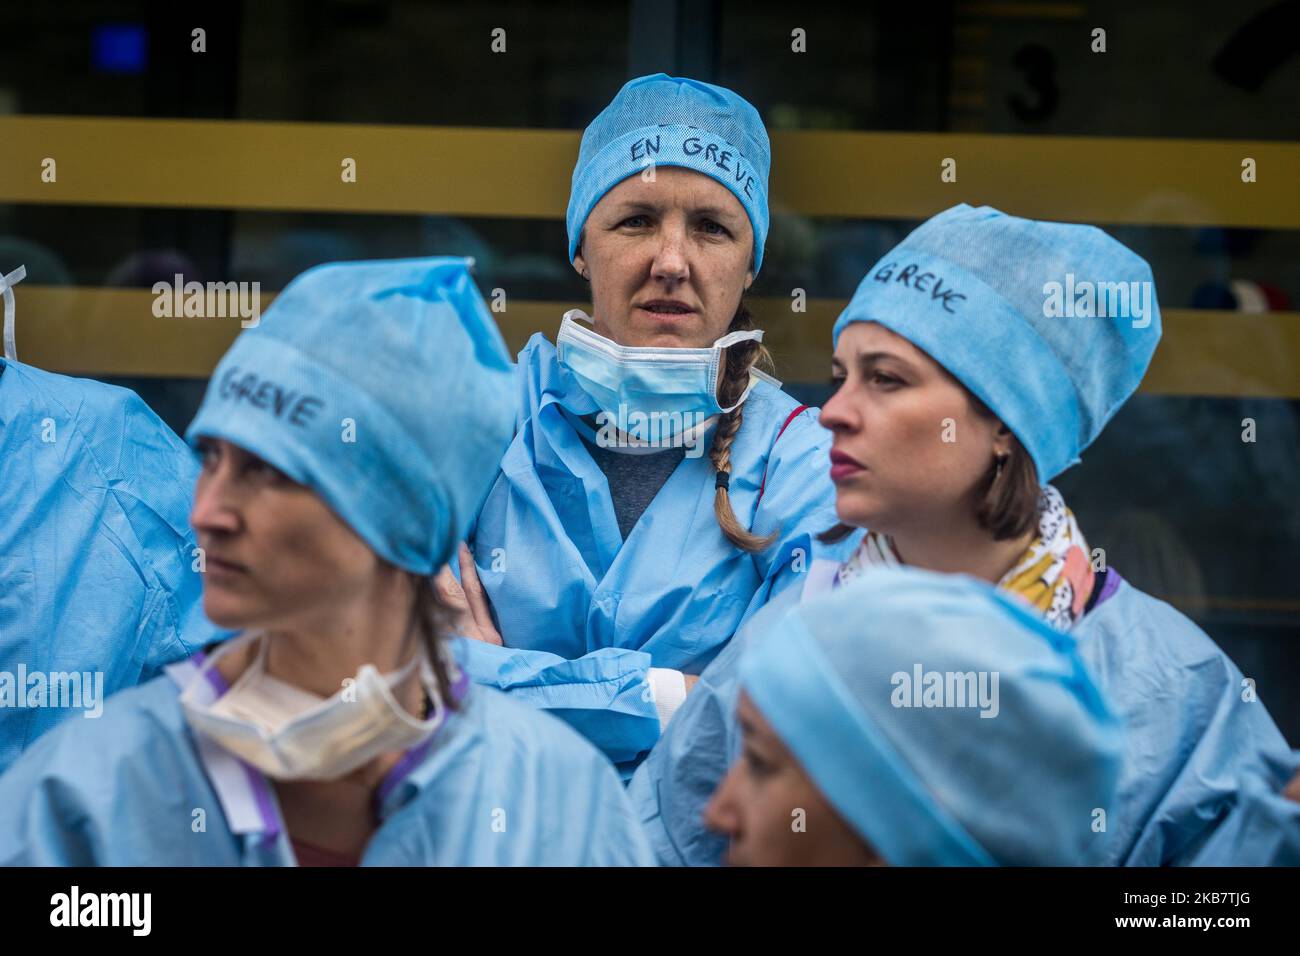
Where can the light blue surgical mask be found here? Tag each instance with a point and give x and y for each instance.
(654, 394)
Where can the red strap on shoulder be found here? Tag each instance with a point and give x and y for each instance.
(784, 425)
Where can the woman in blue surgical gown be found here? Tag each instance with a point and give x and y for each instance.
(660, 486)
(965, 384)
(98, 589)
(335, 728)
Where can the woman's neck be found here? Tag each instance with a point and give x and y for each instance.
(317, 652)
(960, 549)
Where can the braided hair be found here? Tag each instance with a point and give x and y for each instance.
(739, 359)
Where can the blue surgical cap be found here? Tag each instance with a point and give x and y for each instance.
(671, 121)
(944, 720)
(1052, 325)
(383, 386)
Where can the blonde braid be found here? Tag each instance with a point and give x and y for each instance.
(740, 358)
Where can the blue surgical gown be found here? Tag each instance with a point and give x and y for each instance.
(498, 785)
(1262, 829)
(583, 613)
(96, 554)
(1190, 739)
(672, 786)
(1195, 733)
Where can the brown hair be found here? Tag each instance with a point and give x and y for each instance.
(432, 619)
(1008, 506)
(740, 358)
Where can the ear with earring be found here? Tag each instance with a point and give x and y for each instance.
(585, 273)
(1000, 458)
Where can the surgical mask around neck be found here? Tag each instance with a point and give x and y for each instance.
(292, 734)
(655, 394)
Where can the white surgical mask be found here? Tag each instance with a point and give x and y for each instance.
(292, 734)
(660, 391)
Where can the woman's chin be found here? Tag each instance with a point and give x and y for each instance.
(854, 512)
(648, 332)
(226, 613)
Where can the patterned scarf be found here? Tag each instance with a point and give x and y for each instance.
(1054, 574)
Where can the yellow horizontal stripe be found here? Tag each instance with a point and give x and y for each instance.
(524, 173)
(1069, 178)
(114, 332)
(1201, 352)
(287, 166)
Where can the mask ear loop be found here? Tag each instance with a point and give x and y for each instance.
(419, 664)
(741, 335)
(7, 282)
(715, 364)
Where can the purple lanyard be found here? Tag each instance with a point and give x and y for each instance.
(415, 756)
